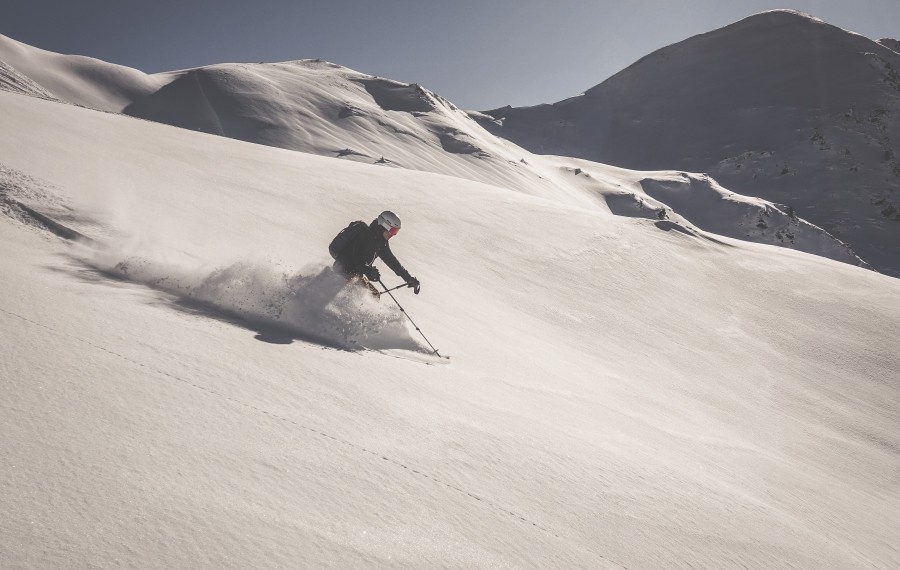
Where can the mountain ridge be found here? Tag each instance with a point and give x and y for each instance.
(778, 105)
(327, 109)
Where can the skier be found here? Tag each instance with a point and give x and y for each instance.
(356, 247)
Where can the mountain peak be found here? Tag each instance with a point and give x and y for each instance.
(786, 14)
(779, 105)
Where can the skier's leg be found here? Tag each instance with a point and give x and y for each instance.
(372, 289)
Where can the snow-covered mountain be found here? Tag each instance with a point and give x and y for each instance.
(780, 105)
(626, 390)
(322, 108)
(622, 392)
(77, 79)
(890, 43)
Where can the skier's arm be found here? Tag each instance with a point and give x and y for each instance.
(391, 261)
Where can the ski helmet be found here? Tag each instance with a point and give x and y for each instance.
(389, 221)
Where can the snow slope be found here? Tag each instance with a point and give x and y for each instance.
(697, 202)
(780, 105)
(15, 82)
(77, 79)
(322, 108)
(622, 393)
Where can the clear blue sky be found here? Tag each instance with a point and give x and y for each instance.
(480, 55)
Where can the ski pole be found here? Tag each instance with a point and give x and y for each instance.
(402, 310)
(393, 288)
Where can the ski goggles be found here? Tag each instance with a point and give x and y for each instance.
(393, 231)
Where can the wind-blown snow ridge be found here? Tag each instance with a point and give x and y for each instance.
(15, 82)
(891, 44)
(790, 13)
(714, 209)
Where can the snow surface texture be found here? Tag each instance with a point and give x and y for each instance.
(77, 79)
(322, 108)
(12, 80)
(624, 392)
(780, 105)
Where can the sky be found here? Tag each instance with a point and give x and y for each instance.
(479, 54)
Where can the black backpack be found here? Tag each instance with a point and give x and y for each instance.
(347, 235)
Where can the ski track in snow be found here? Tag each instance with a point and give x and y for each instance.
(315, 305)
(493, 505)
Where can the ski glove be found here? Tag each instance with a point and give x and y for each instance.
(414, 283)
(371, 272)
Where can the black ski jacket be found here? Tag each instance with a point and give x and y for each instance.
(362, 250)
